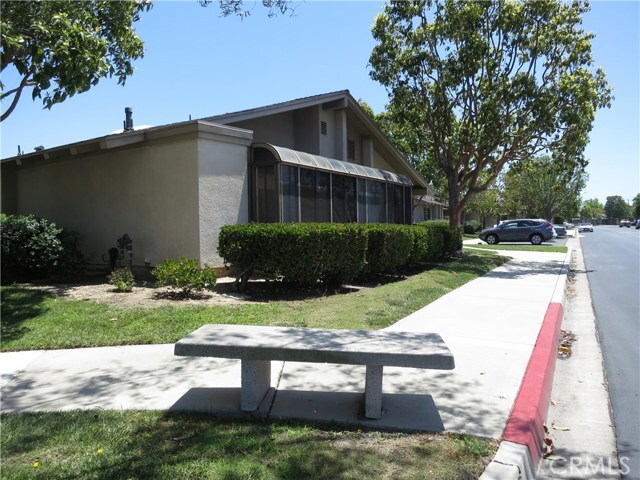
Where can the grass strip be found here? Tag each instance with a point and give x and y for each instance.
(137, 445)
(519, 248)
(33, 319)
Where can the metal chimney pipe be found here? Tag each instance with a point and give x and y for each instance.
(128, 123)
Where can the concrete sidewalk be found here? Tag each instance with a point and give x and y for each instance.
(490, 324)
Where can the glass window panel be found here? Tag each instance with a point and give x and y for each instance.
(376, 202)
(314, 196)
(289, 194)
(396, 210)
(408, 206)
(266, 194)
(344, 199)
(362, 200)
(323, 197)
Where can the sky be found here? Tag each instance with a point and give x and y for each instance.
(199, 64)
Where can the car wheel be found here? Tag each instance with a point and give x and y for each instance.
(536, 239)
(492, 239)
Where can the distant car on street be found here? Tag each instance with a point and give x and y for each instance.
(585, 227)
(535, 231)
(625, 223)
(560, 230)
(637, 223)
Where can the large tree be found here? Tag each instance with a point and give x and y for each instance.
(60, 48)
(538, 187)
(592, 210)
(485, 84)
(616, 208)
(635, 206)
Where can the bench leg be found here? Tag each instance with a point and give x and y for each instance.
(373, 392)
(256, 381)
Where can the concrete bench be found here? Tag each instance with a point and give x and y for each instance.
(256, 347)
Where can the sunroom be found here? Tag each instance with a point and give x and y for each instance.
(293, 186)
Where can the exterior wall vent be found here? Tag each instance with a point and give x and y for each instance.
(323, 127)
(351, 150)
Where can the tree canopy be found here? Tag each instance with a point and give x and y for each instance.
(616, 207)
(480, 85)
(538, 187)
(635, 205)
(60, 48)
(63, 47)
(592, 209)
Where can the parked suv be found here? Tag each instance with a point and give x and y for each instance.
(535, 231)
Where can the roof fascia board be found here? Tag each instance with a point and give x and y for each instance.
(277, 108)
(194, 128)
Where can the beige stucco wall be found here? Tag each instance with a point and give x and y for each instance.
(148, 192)
(171, 190)
(277, 129)
(223, 192)
(380, 162)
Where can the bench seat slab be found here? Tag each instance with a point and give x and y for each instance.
(353, 347)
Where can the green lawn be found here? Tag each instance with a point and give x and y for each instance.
(33, 319)
(150, 445)
(521, 248)
(153, 445)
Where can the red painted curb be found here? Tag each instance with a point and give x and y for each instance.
(525, 424)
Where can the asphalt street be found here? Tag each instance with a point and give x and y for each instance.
(612, 262)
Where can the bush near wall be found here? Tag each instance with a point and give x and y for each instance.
(309, 254)
(305, 254)
(472, 226)
(452, 237)
(34, 247)
(389, 248)
(428, 243)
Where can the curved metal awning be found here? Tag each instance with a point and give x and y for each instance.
(317, 162)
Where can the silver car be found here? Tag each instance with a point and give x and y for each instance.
(560, 230)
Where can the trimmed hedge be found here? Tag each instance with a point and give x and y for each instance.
(305, 254)
(428, 243)
(451, 237)
(34, 247)
(309, 254)
(472, 226)
(389, 247)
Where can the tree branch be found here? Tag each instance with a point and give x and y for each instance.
(18, 91)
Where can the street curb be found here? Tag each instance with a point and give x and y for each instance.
(520, 451)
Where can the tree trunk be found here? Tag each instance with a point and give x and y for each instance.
(455, 212)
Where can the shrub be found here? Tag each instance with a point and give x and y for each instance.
(389, 247)
(305, 254)
(451, 237)
(123, 279)
(434, 241)
(37, 248)
(472, 226)
(184, 274)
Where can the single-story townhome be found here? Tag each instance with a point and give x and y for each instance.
(171, 188)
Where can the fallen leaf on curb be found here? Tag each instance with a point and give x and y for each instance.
(566, 341)
(556, 458)
(549, 448)
(560, 429)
